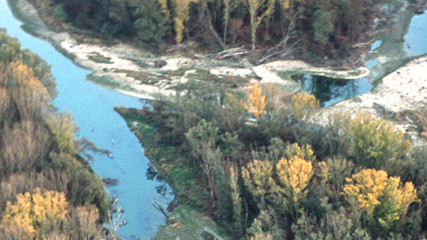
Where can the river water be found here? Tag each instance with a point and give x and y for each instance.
(330, 90)
(92, 107)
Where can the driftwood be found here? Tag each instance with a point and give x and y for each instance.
(232, 52)
(159, 207)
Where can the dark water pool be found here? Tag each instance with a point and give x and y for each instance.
(330, 91)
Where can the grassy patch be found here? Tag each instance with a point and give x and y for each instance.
(104, 81)
(169, 159)
(227, 81)
(188, 223)
(143, 77)
(98, 58)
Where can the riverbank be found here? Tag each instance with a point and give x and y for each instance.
(136, 72)
(402, 91)
(188, 220)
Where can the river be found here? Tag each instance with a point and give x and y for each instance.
(390, 51)
(92, 108)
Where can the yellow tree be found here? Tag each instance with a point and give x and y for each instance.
(257, 13)
(28, 93)
(182, 8)
(165, 8)
(37, 213)
(304, 104)
(380, 197)
(63, 129)
(304, 152)
(294, 175)
(256, 100)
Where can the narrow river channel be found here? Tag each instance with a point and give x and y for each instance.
(92, 107)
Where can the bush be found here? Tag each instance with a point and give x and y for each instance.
(375, 141)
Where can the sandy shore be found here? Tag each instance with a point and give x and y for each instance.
(403, 90)
(124, 58)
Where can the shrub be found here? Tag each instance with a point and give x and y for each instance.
(375, 141)
(383, 199)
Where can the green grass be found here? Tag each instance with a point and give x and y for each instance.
(169, 159)
(103, 81)
(142, 76)
(98, 58)
(187, 221)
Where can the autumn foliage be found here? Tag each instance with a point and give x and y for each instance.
(383, 198)
(35, 213)
(256, 100)
(40, 171)
(304, 104)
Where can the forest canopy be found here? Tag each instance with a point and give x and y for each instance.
(48, 191)
(326, 28)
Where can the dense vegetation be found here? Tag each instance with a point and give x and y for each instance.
(257, 162)
(47, 190)
(326, 28)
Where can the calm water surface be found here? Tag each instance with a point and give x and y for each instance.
(92, 107)
(330, 91)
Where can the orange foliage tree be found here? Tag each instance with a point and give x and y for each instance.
(285, 185)
(304, 104)
(256, 100)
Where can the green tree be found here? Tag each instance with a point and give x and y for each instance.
(151, 25)
(323, 26)
(375, 141)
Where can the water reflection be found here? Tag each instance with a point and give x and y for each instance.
(329, 91)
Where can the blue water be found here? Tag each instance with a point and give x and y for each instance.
(376, 45)
(416, 38)
(92, 107)
(330, 91)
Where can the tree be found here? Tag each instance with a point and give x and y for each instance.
(294, 175)
(151, 25)
(63, 129)
(257, 15)
(229, 6)
(182, 8)
(236, 199)
(375, 141)
(28, 93)
(36, 214)
(305, 152)
(256, 100)
(303, 105)
(202, 140)
(383, 199)
(258, 177)
(323, 26)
